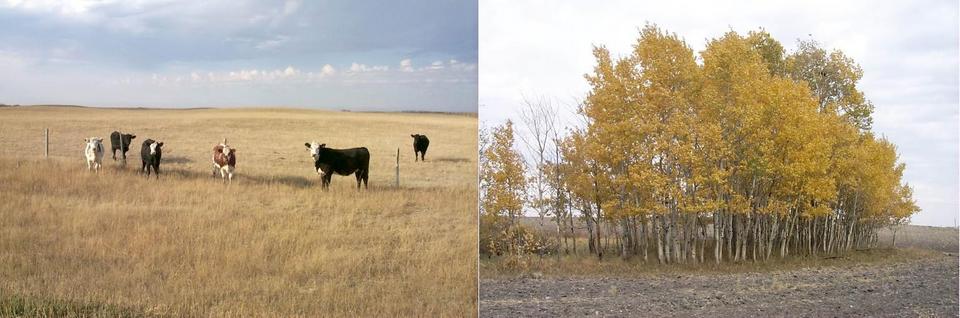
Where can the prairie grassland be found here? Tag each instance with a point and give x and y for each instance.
(271, 244)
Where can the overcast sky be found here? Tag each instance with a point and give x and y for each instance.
(908, 51)
(360, 55)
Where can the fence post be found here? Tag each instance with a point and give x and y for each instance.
(123, 153)
(46, 142)
(398, 168)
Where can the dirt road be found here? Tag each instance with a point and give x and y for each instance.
(925, 288)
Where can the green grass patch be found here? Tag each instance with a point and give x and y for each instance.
(15, 305)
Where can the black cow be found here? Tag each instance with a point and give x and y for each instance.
(420, 144)
(328, 161)
(150, 153)
(115, 144)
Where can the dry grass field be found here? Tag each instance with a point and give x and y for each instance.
(271, 244)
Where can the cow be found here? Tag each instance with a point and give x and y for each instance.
(420, 144)
(94, 153)
(224, 160)
(115, 144)
(150, 153)
(328, 161)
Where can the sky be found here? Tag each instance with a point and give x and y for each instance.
(356, 55)
(908, 51)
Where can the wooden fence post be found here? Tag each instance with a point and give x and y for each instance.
(398, 168)
(46, 142)
(123, 153)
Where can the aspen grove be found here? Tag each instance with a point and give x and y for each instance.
(743, 152)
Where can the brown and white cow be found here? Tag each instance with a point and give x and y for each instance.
(224, 160)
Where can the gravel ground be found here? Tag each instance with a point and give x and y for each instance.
(920, 288)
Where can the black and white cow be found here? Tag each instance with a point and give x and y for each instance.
(115, 144)
(344, 162)
(420, 144)
(150, 153)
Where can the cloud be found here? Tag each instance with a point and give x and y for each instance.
(70, 9)
(359, 68)
(328, 70)
(290, 6)
(436, 65)
(290, 71)
(272, 43)
(356, 73)
(152, 34)
(89, 51)
(406, 65)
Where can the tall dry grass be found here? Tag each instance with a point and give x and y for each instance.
(270, 244)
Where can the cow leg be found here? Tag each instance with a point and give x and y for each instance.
(156, 170)
(325, 181)
(359, 178)
(423, 156)
(143, 167)
(366, 176)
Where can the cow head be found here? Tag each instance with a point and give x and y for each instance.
(227, 151)
(314, 148)
(93, 142)
(155, 147)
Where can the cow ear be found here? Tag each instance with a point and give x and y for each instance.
(86, 139)
(133, 136)
(160, 144)
(307, 144)
(414, 136)
(323, 145)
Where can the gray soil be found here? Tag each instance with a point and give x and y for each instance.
(925, 287)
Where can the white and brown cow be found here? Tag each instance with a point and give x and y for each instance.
(224, 160)
(94, 153)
